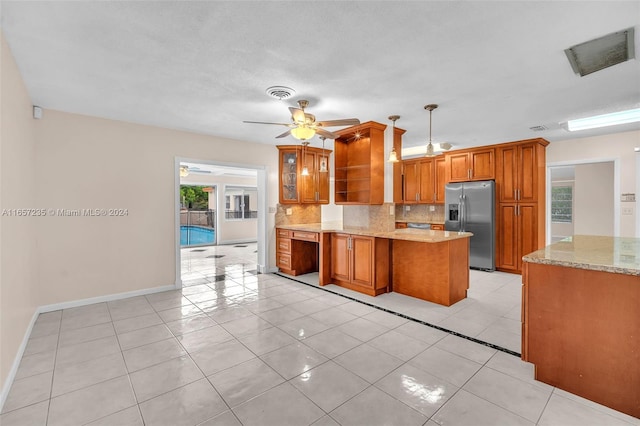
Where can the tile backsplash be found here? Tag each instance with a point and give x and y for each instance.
(420, 213)
(300, 213)
(376, 218)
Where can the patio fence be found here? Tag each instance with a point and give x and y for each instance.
(205, 218)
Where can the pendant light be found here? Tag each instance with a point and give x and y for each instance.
(305, 169)
(323, 160)
(430, 152)
(393, 155)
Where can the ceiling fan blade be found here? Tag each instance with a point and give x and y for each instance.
(343, 122)
(284, 135)
(297, 114)
(265, 122)
(327, 134)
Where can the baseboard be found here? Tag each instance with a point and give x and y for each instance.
(240, 241)
(66, 305)
(16, 361)
(106, 298)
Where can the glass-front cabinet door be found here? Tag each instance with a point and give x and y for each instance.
(289, 193)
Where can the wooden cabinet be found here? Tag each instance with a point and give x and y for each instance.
(517, 234)
(419, 181)
(440, 178)
(469, 165)
(359, 164)
(520, 186)
(296, 251)
(360, 263)
(423, 181)
(519, 171)
(296, 188)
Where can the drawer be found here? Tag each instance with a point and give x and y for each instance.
(437, 227)
(283, 245)
(306, 236)
(283, 233)
(283, 260)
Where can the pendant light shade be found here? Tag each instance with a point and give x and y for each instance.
(305, 169)
(430, 152)
(393, 155)
(323, 162)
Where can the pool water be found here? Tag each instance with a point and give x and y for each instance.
(195, 235)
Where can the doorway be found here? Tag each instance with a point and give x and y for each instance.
(234, 208)
(581, 199)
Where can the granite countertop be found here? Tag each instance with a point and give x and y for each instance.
(617, 255)
(420, 235)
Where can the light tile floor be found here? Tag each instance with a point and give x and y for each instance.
(236, 348)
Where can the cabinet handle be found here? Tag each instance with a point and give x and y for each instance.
(417, 196)
(435, 196)
(519, 194)
(515, 194)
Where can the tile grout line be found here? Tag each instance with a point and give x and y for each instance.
(437, 327)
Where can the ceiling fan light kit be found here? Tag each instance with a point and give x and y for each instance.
(304, 126)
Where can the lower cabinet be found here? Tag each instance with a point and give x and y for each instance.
(296, 251)
(360, 263)
(517, 234)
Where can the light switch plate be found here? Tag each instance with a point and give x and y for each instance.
(392, 210)
(432, 208)
(272, 209)
(289, 211)
(407, 208)
(627, 211)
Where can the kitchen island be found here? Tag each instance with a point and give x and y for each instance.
(581, 318)
(427, 264)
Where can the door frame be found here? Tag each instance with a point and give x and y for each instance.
(616, 191)
(263, 196)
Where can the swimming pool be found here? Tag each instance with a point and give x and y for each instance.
(196, 235)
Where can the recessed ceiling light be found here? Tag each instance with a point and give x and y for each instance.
(604, 120)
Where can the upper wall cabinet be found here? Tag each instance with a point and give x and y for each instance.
(359, 164)
(296, 188)
(473, 164)
(519, 174)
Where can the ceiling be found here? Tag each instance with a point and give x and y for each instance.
(495, 68)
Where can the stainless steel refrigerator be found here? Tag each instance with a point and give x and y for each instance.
(470, 207)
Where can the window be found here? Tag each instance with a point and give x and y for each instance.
(562, 204)
(241, 202)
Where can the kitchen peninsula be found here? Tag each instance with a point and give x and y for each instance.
(427, 264)
(580, 320)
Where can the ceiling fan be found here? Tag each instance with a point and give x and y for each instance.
(304, 126)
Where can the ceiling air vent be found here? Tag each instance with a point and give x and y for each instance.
(597, 54)
(280, 92)
(538, 128)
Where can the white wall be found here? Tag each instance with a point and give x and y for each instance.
(593, 199)
(86, 162)
(614, 147)
(19, 286)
